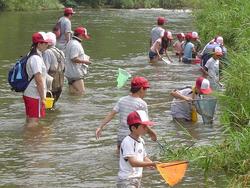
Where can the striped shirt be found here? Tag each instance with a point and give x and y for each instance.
(124, 106)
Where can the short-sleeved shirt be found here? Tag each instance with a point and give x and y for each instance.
(181, 108)
(74, 70)
(35, 65)
(187, 52)
(156, 32)
(178, 46)
(124, 106)
(65, 27)
(131, 148)
(213, 68)
(51, 57)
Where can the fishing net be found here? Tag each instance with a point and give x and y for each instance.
(172, 172)
(122, 78)
(206, 107)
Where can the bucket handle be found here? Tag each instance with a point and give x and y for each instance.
(50, 93)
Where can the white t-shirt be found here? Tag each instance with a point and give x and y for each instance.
(156, 45)
(157, 32)
(131, 148)
(65, 28)
(74, 70)
(213, 68)
(35, 65)
(124, 106)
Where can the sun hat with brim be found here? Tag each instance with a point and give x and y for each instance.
(139, 117)
(40, 37)
(203, 85)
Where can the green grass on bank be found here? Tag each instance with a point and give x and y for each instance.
(230, 19)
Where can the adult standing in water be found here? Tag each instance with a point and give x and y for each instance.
(65, 29)
(34, 95)
(124, 106)
(76, 61)
(158, 31)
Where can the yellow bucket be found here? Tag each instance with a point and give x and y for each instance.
(49, 101)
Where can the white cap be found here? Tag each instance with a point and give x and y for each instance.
(219, 40)
(52, 37)
(195, 35)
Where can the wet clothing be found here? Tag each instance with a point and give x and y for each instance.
(124, 106)
(131, 148)
(34, 108)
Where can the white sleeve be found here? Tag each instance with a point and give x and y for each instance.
(127, 149)
(36, 64)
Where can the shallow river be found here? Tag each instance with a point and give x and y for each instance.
(63, 151)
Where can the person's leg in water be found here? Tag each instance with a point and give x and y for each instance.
(77, 87)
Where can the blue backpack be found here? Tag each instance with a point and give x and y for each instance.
(18, 77)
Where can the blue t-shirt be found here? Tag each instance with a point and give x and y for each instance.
(188, 50)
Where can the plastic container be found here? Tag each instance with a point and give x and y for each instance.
(49, 101)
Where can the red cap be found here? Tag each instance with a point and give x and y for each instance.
(139, 82)
(139, 117)
(161, 20)
(82, 31)
(180, 35)
(203, 85)
(168, 35)
(40, 37)
(188, 35)
(69, 11)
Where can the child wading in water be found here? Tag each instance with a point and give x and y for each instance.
(133, 156)
(178, 45)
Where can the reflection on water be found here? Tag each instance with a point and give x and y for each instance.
(62, 151)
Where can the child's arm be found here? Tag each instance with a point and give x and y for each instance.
(176, 94)
(104, 123)
(146, 163)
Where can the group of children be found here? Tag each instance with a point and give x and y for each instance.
(54, 55)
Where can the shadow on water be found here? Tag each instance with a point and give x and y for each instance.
(63, 151)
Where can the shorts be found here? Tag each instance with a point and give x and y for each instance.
(187, 61)
(33, 107)
(152, 55)
(129, 183)
(72, 80)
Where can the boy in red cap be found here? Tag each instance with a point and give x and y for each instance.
(158, 31)
(133, 156)
(77, 61)
(183, 98)
(124, 106)
(65, 29)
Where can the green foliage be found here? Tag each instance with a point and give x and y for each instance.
(21, 5)
(235, 100)
(232, 156)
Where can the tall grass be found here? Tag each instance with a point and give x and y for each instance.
(230, 19)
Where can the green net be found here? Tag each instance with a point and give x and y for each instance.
(122, 78)
(206, 107)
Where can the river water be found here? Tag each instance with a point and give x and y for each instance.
(63, 151)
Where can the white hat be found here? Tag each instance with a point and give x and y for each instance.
(195, 35)
(219, 40)
(218, 50)
(52, 37)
